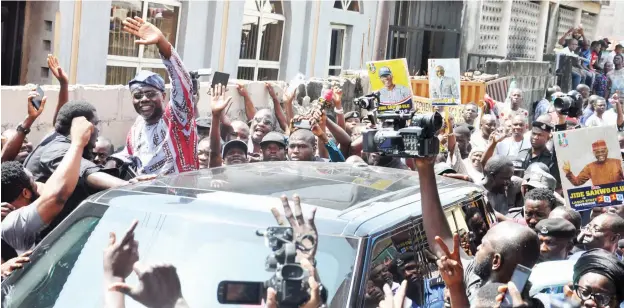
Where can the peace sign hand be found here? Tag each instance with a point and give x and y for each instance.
(449, 265)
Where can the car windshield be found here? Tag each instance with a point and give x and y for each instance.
(68, 272)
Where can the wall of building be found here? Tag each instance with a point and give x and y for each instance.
(202, 31)
(610, 20)
(39, 41)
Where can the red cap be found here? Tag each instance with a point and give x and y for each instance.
(599, 144)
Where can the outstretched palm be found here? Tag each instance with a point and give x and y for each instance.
(55, 68)
(148, 33)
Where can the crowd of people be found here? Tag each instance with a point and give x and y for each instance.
(506, 150)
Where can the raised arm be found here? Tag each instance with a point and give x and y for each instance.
(219, 103)
(279, 114)
(495, 139)
(180, 105)
(13, 145)
(562, 39)
(436, 223)
(340, 118)
(62, 183)
(59, 73)
(617, 101)
(250, 109)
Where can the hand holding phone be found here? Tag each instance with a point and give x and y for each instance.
(519, 279)
(36, 101)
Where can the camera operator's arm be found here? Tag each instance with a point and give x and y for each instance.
(436, 223)
(279, 114)
(250, 110)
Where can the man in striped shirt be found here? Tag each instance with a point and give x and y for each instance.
(163, 138)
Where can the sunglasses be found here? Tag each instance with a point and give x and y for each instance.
(148, 94)
(585, 293)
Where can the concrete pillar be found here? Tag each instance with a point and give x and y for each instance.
(381, 30)
(577, 17)
(504, 34)
(541, 31)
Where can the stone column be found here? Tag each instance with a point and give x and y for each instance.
(381, 30)
(577, 17)
(541, 32)
(504, 28)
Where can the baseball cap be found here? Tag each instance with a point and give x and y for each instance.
(384, 71)
(234, 144)
(537, 166)
(352, 114)
(556, 227)
(203, 122)
(273, 137)
(148, 78)
(540, 179)
(442, 168)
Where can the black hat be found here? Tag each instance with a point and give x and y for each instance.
(543, 126)
(352, 114)
(273, 137)
(556, 227)
(234, 144)
(203, 122)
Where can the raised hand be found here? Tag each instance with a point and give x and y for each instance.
(6, 209)
(305, 230)
(159, 286)
(566, 167)
(269, 88)
(449, 265)
(34, 113)
(120, 256)
(242, 91)
(12, 264)
(57, 71)
(497, 137)
(219, 102)
(147, 32)
(81, 131)
(337, 95)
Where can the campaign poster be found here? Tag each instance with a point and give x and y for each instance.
(391, 79)
(423, 105)
(444, 82)
(590, 166)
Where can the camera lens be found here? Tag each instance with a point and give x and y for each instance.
(430, 123)
(292, 272)
(562, 104)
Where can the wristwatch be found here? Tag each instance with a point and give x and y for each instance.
(21, 128)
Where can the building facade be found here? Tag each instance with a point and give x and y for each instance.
(249, 39)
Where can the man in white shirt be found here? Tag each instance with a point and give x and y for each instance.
(479, 139)
(603, 117)
(517, 142)
(392, 93)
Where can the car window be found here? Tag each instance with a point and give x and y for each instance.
(70, 274)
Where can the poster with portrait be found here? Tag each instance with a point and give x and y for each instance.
(391, 79)
(444, 82)
(590, 166)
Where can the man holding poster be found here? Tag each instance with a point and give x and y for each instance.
(603, 171)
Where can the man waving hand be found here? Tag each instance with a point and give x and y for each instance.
(163, 138)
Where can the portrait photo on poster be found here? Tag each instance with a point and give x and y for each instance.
(590, 166)
(444, 82)
(391, 79)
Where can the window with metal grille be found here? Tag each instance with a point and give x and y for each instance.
(261, 40)
(125, 58)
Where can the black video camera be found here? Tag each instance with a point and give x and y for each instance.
(570, 104)
(290, 279)
(368, 101)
